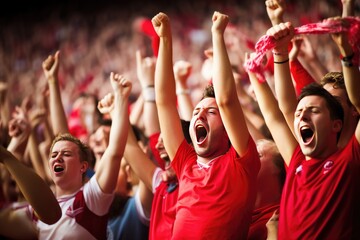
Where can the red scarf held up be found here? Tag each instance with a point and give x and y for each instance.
(266, 43)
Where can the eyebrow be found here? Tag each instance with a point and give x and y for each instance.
(207, 108)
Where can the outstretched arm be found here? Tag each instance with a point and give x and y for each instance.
(182, 71)
(284, 88)
(169, 119)
(58, 117)
(275, 121)
(347, 8)
(34, 189)
(350, 70)
(143, 167)
(109, 165)
(146, 74)
(275, 10)
(225, 90)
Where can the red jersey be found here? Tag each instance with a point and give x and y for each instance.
(260, 217)
(215, 201)
(163, 210)
(320, 198)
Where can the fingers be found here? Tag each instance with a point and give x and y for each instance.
(273, 4)
(281, 30)
(51, 61)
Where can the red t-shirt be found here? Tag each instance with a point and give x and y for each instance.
(215, 202)
(300, 76)
(260, 217)
(320, 198)
(163, 211)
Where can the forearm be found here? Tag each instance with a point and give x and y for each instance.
(284, 87)
(35, 156)
(140, 163)
(166, 98)
(223, 79)
(34, 189)
(57, 112)
(109, 164)
(164, 76)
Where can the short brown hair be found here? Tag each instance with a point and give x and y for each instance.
(84, 150)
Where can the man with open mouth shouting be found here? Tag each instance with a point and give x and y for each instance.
(217, 174)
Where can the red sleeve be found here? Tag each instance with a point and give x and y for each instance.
(148, 29)
(300, 76)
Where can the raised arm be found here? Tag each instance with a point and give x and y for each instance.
(284, 87)
(109, 165)
(182, 71)
(275, 121)
(347, 8)
(350, 69)
(58, 117)
(275, 10)
(143, 167)
(146, 75)
(169, 119)
(34, 189)
(225, 90)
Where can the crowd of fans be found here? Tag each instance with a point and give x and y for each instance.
(91, 69)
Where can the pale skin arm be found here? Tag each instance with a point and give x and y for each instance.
(284, 87)
(37, 116)
(182, 71)
(275, 10)
(109, 165)
(351, 73)
(146, 74)
(308, 56)
(136, 114)
(225, 90)
(275, 121)
(58, 117)
(34, 189)
(143, 167)
(139, 162)
(15, 224)
(169, 119)
(347, 8)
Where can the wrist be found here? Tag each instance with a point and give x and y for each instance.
(182, 91)
(347, 61)
(148, 93)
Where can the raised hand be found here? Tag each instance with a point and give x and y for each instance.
(220, 22)
(106, 104)
(161, 23)
(145, 68)
(51, 66)
(275, 10)
(182, 71)
(282, 33)
(120, 85)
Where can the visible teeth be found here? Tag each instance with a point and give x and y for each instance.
(58, 168)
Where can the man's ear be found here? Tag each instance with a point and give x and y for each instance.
(84, 166)
(337, 125)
